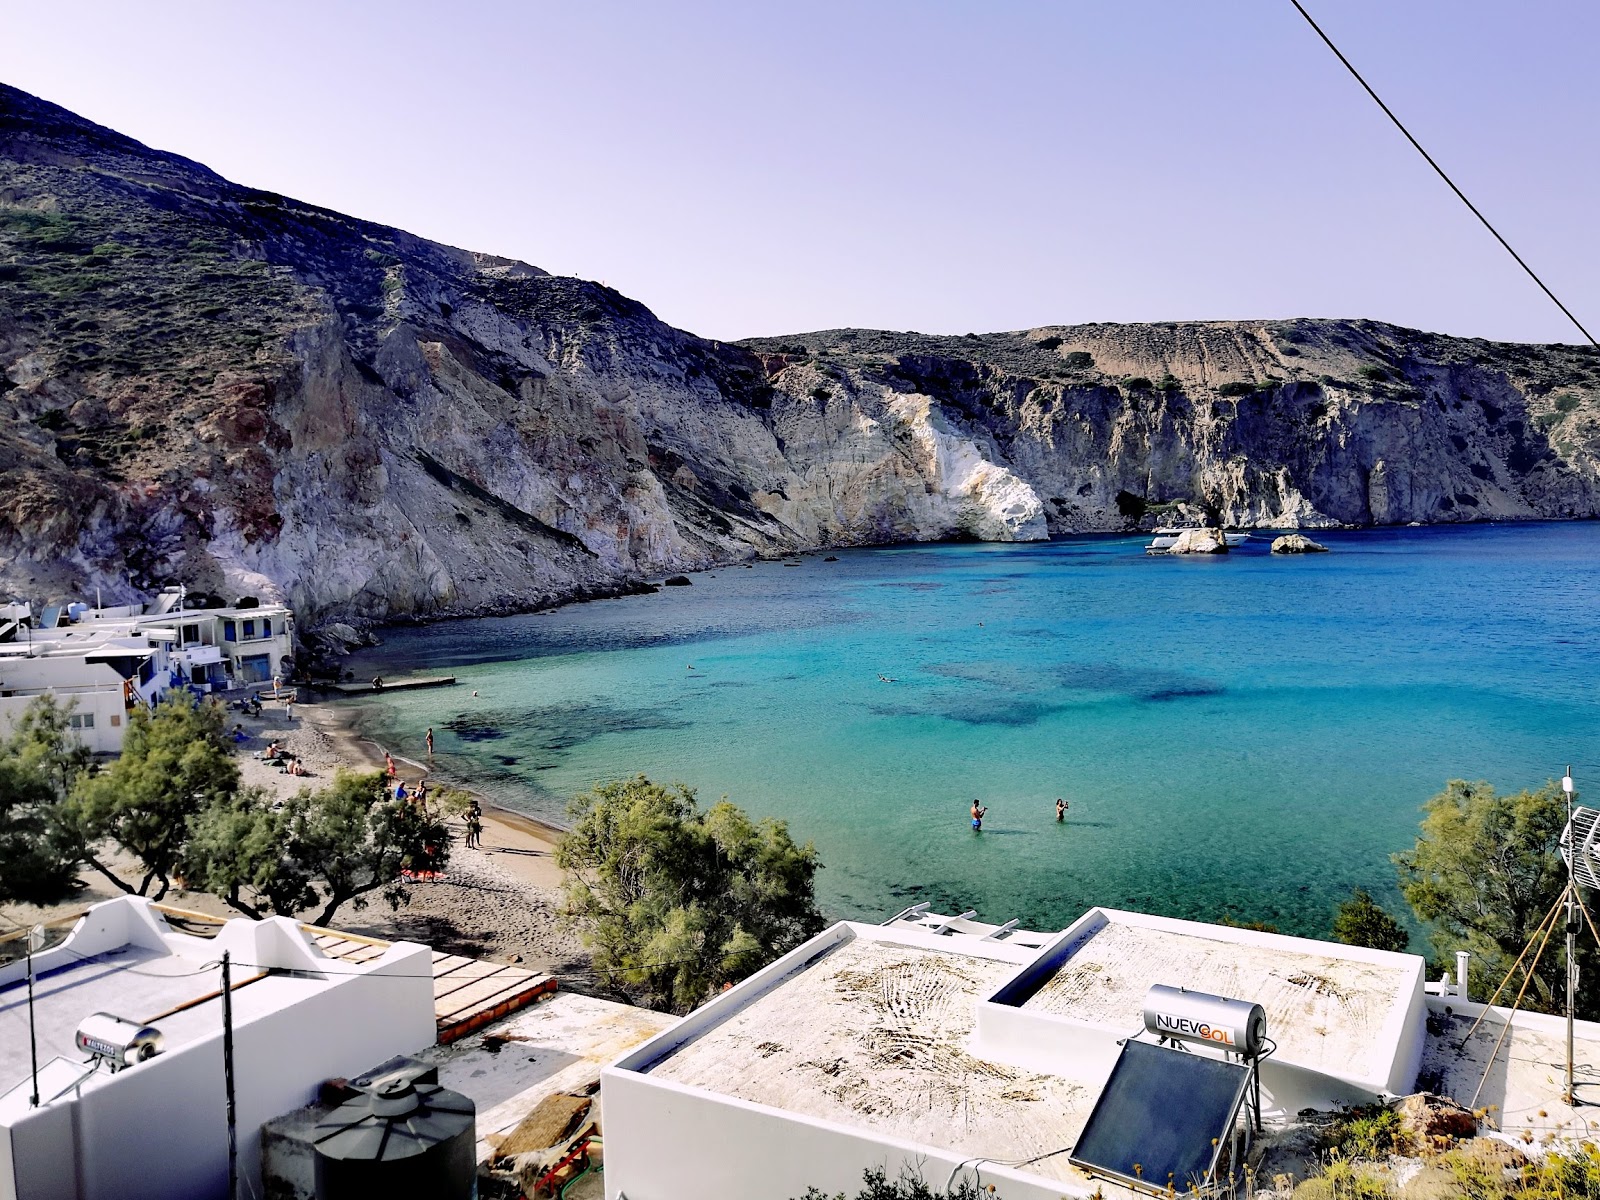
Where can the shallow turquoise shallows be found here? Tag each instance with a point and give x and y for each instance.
(1250, 736)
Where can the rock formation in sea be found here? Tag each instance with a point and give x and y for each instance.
(210, 384)
(1297, 543)
(1199, 541)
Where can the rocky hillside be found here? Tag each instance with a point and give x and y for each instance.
(209, 384)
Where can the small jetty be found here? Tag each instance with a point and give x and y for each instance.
(395, 685)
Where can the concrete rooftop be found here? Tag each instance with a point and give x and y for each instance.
(1324, 1012)
(874, 1034)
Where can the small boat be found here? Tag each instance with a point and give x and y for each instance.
(1166, 538)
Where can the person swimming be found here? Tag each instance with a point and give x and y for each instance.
(1061, 809)
(977, 815)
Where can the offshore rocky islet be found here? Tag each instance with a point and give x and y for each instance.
(211, 383)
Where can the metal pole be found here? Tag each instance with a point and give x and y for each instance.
(1572, 892)
(227, 1074)
(33, 1041)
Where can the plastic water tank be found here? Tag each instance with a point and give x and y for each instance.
(400, 1139)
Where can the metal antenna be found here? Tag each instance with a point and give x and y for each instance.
(1572, 918)
(35, 942)
(227, 1075)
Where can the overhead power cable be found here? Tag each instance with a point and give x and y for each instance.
(1440, 170)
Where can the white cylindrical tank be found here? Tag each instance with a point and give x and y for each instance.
(1239, 1026)
(119, 1042)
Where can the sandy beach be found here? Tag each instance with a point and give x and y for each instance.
(502, 901)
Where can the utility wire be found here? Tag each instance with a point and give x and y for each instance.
(1440, 170)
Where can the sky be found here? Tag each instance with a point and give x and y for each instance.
(758, 167)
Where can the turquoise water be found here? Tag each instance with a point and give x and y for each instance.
(1246, 736)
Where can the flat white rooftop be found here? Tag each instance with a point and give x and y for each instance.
(1324, 1012)
(139, 984)
(874, 1034)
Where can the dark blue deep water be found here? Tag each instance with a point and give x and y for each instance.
(1247, 736)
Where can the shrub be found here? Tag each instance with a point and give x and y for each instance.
(1566, 402)
(1138, 383)
(1368, 1131)
(1169, 383)
(1049, 343)
(676, 901)
(1340, 1180)
(1361, 922)
(1080, 360)
(1236, 387)
(1373, 373)
(821, 393)
(907, 1187)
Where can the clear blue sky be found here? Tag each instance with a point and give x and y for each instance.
(756, 167)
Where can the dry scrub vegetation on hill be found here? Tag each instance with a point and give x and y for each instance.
(206, 383)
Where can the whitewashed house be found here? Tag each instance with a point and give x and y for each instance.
(157, 1129)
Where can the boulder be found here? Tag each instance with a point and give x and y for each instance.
(1429, 1120)
(675, 581)
(1297, 543)
(1200, 541)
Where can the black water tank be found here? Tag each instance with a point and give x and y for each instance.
(400, 1139)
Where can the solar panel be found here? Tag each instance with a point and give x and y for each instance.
(1165, 1115)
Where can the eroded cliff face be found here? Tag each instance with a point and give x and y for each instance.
(220, 386)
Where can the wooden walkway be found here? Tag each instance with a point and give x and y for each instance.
(393, 685)
(468, 993)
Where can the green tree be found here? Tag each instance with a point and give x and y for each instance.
(39, 762)
(174, 763)
(675, 901)
(332, 847)
(1485, 871)
(1361, 921)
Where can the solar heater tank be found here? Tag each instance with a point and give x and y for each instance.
(117, 1041)
(1239, 1026)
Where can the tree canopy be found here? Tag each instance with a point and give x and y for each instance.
(1360, 921)
(174, 763)
(331, 847)
(39, 848)
(676, 901)
(1485, 871)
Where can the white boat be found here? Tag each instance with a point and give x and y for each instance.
(1166, 538)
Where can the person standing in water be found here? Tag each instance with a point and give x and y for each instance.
(430, 741)
(1061, 809)
(977, 815)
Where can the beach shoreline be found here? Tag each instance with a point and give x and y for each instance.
(532, 842)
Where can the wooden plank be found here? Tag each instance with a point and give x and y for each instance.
(482, 994)
(445, 964)
(466, 978)
(459, 1027)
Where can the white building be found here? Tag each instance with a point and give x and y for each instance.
(956, 1049)
(158, 1129)
(106, 661)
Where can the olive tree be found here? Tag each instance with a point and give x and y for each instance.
(675, 901)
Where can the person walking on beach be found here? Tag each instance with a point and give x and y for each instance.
(1061, 809)
(430, 741)
(388, 764)
(474, 826)
(977, 815)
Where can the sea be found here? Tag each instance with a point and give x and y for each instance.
(1245, 737)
